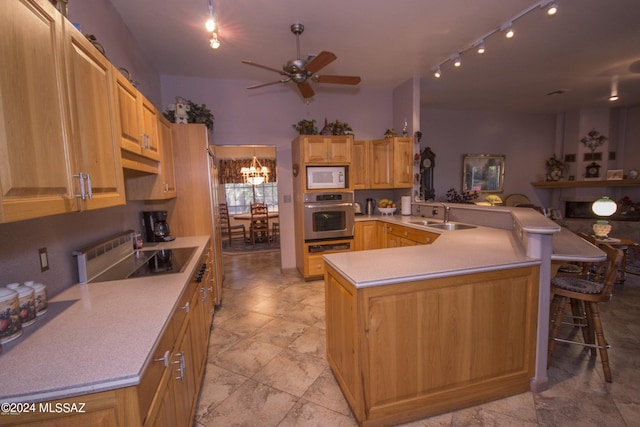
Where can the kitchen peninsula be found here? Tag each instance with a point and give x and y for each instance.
(420, 330)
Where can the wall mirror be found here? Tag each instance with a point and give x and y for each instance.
(483, 173)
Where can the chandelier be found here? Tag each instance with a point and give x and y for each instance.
(256, 174)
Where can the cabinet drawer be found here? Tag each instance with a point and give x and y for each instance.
(418, 236)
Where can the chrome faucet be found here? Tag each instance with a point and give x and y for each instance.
(447, 211)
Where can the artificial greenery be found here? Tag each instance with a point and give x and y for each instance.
(466, 197)
(306, 127)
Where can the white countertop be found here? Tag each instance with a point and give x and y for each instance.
(94, 337)
(456, 252)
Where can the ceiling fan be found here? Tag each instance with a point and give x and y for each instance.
(302, 71)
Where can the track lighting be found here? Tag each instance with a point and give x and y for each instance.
(481, 49)
(211, 23)
(509, 31)
(550, 7)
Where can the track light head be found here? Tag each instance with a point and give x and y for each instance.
(481, 48)
(437, 73)
(509, 33)
(552, 9)
(457, 61)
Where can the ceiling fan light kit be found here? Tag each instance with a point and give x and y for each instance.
(301, 71)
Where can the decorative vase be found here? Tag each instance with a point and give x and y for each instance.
(601, 229)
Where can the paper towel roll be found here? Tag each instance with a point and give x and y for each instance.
(405, 205)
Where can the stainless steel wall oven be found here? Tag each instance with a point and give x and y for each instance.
(328, 215)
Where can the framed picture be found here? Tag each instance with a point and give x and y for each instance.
(483, 173)
(614, 174)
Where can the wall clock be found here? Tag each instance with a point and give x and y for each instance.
(593, 170)
(427, 163)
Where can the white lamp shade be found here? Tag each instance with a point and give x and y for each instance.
(604, 207)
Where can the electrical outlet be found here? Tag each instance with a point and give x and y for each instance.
(44, 259)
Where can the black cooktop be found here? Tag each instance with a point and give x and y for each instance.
(148, 263)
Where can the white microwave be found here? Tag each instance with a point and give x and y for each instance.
(326, 177)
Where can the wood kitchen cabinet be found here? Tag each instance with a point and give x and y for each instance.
(382, 163)
(137, 123)
(397, 235)
(326, 149)
(168, 389)
(313, 252)
(160, 186)
(57, 157)
(365, 236)
(411, 350)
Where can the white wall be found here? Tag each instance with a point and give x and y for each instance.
(265, 117)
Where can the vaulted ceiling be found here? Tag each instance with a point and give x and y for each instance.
(568, 61)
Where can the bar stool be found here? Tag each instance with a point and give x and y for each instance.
(584, 296)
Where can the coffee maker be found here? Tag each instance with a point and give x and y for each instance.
(156, 227)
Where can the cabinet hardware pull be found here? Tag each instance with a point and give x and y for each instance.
(180, 364)
(82, 194)
(89, 188)
(204, 294)
(185, 307)
(164, 359)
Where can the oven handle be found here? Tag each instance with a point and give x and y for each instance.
(328, 204)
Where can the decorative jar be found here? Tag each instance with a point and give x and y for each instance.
(10, 325)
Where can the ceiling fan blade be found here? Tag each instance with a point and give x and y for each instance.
(339, 80)
(267, 84)
(305, 90)
(244, 61)
(323, 59)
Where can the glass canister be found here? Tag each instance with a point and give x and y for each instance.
(40, 297)
(10, 325)
(27, 301)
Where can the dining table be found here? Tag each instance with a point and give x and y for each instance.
(247, 217)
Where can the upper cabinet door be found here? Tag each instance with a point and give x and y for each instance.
(381, 163)
(126, 99)
(35, 179)
(149, 125)
(327, 149)
(94, 140)
(403, 163)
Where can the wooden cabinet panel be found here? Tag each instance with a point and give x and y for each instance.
(95, 144)
(359, 170)
(403, 163)
(411, 350)
(366, 235)
(313, 262)
(58, 140)
(381, 162)
(160, 186)
(398, 235)
(137, 124)
(36, 179)
(326, 149)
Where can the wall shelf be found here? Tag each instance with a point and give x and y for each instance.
(584, 184)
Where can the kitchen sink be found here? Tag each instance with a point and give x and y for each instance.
(451, 226)
(426, 222)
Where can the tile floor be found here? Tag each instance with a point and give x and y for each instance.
(267, 365)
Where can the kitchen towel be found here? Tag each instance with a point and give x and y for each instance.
(405, 205)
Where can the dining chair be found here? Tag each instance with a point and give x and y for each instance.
(227, 228)
(259, 226)
(584, 295)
